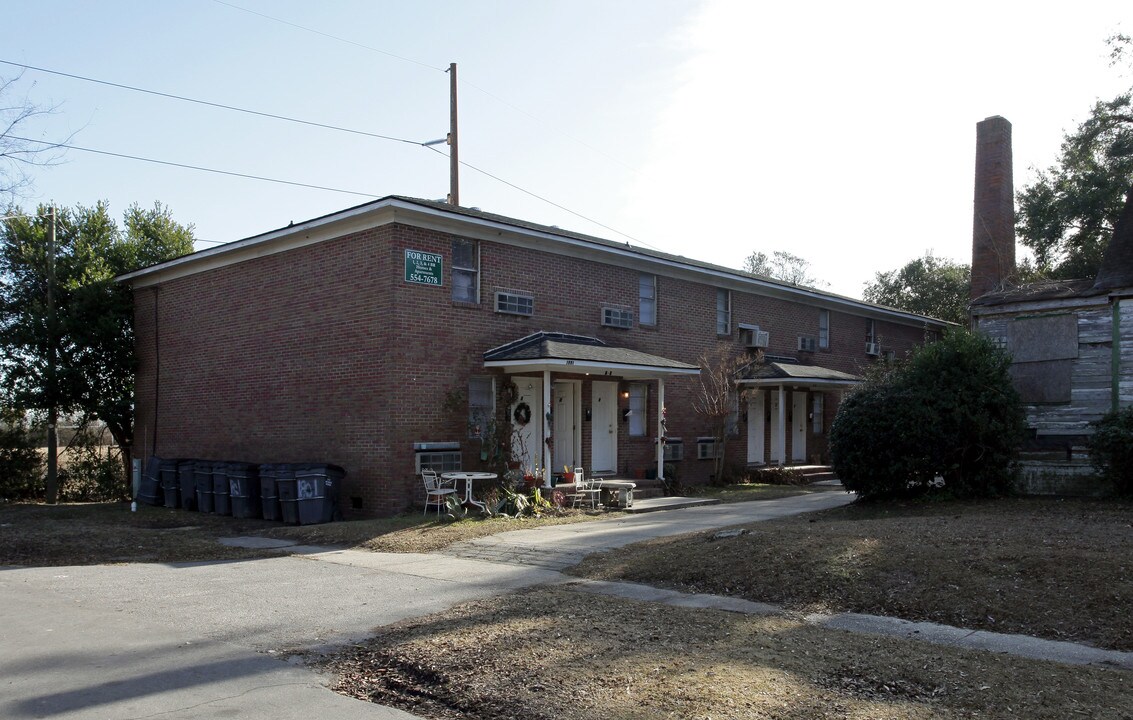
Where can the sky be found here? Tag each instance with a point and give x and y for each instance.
(842, 132)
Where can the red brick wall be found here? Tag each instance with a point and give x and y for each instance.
(324, 353)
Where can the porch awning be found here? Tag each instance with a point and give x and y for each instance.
(774, 374)
(560, 352)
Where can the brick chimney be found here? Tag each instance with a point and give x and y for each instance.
(993, 232)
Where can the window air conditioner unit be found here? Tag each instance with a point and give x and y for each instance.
(806, 344)
(872, 348)
(758, 338)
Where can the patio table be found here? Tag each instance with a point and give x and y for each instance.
(469, 478)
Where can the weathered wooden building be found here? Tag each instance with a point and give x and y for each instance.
(1071, 341)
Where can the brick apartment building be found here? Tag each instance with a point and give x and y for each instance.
(386, 336)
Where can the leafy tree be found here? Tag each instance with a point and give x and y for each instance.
(781, 266)
(717, 399)
(948, 419)
(1111, 449)
(91, 329)
(932, 286)
(1068, 214)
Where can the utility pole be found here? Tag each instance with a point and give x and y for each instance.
(52, 489)
(453, 155)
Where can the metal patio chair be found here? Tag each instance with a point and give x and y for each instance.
(437, 490)
(585, 490)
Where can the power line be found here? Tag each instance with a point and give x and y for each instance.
(197, 167)
(328, 35)
(495, 97)
(550, 202)
(294, 120)
(209, 103)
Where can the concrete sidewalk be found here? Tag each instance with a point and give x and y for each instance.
(560, 546)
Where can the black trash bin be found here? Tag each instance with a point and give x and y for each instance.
(220, 498)
(187, 484)
(202, 475)
(288, 493)
(150, 492)
(170, 485)
(317, 489)
(244, 490)
(269, 495)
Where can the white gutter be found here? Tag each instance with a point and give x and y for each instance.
(360, 218)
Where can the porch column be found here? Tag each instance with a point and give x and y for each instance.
(781, 441)
(546, 429)
(661, 428)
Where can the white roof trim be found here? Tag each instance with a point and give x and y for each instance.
(797, 382)
(592, 367)
(392, 209)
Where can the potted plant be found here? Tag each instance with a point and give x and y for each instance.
(568, 475)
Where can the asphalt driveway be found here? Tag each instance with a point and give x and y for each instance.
(210, 640)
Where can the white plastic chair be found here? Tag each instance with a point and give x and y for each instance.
(437, 490)
(585, 489)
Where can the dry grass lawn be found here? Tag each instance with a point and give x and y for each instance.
(1053, 568)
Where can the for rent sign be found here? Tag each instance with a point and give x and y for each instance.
(423, 268)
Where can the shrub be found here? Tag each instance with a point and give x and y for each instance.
(21, 464)
(1111, 450)
(776, 476)
(949, 412)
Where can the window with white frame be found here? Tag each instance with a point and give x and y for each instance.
(723, 311)
(638, 409)
(465, 271)
(647, 299)
(817, 404)
(870, 331)
(481, 405)
(824, 329)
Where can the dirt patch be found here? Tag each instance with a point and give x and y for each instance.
(558, 653)
(1057, 569)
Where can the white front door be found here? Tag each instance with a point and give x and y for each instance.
(798, 426)
(564, 426)
(776, 459)
(755, 428)
(603, 427)
(527, 441)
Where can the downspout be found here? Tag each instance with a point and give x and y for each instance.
(1115, 356)
(547, 429)
(156, 367)
(661, 428)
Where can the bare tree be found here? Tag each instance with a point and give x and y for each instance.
(718, 397)
(783, 266)
(18, 150)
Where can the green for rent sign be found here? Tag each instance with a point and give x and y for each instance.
(423, 268)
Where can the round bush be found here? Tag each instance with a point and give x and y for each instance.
(946, 419)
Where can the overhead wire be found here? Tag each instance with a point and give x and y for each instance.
(197, 167)
(209, 103)
(310, 123)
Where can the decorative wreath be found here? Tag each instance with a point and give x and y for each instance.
(522, 413)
